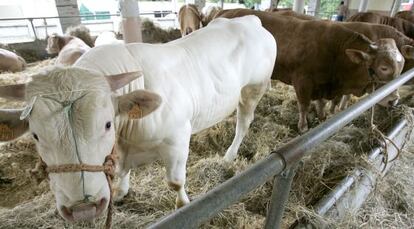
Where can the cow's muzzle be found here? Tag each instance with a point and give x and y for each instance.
(84, 211)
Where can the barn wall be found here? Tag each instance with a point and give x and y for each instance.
(381, 7)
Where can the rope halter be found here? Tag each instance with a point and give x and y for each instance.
(108, 168)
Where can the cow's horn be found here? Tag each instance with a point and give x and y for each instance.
(120, 80)
(16, 91)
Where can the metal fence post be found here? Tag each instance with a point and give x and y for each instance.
(280, 194)
(45, 24)
(33, 28)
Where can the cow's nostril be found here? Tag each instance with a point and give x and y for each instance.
(67, 213)
(101, 206)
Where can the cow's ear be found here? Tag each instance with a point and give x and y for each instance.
(137, 104)
(357, 56)
(11, 127)
(407, 51)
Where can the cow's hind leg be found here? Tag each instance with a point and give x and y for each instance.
(174, 152)
(249, 98)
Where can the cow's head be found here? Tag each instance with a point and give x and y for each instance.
(383, 62)
(71, 113)
(55, 43)
(189, 18)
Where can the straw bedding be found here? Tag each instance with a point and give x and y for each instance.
(26, 204)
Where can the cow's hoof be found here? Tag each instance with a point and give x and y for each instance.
(303, 129)
(228, 158)
(180, 203)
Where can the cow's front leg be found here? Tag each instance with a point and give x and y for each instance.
(303, 114)
(120, 186)
(303, 94)
(174, 152)
(320, 109)
(249, 98)
(334, 102)
(344, 102)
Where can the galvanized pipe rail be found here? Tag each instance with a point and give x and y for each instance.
(232, 190)
(77, 16)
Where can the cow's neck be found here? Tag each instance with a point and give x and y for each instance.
(408, 28)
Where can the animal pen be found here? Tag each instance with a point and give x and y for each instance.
(283, 162)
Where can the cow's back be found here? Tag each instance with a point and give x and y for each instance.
(304, 46)
(199, 77)
(400, 24)
(212, 64)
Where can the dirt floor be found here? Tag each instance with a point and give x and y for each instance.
(26, 204)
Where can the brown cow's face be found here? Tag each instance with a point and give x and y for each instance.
(53, 44)
(190, 19)
(384, 63)
(387, 61)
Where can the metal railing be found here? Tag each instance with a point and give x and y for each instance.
(280, 163)
(32, 28)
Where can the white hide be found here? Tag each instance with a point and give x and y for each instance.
(106, 38)
(200, 79)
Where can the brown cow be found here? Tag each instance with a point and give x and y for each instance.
(68, 48)
(10, 62)
(401, 25)
(189, 18)
(374, 32)
(324, 60)
(406, 15)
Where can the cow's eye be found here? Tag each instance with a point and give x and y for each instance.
(384, 69)
(108, 125)
(35, 137)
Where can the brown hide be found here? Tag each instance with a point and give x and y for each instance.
(291, 13)
(401, 25)
(324, 60)
(406, 15)
(312, 53)
(10, 62)
(189, 18)
(376, 32)
(373, 31)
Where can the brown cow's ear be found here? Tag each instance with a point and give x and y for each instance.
(357, 56)
(407, 51)
(11, 127)
(137, 104)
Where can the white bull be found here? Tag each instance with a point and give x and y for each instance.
(187, 85)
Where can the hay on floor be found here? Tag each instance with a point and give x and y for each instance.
(26, 204)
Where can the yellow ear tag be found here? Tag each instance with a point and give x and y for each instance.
(135, 112)
(28, 108)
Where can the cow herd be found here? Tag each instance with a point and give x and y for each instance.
(144, 101)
